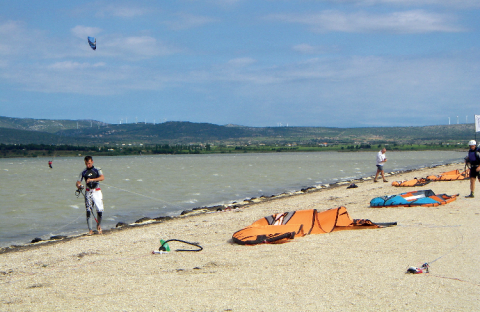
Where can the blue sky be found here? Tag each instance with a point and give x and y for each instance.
(346, 63)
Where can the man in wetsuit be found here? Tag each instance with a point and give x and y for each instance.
(93, 194)
(473, 158)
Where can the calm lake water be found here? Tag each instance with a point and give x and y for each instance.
(37, 201)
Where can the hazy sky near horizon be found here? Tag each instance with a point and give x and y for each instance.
(345, 63)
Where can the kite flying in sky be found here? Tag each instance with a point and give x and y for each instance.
(92, 42)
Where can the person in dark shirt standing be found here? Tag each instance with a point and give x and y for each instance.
(93, 194)
(473, 158)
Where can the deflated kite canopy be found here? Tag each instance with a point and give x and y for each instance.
(92, 42)
(281, 227)
(450, 175)
(411, 183)
(425, 198)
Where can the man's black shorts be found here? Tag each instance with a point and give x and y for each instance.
(473, 172)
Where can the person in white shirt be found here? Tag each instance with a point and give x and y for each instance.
(381, 159)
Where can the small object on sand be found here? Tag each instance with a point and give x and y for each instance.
(164, 246)
(353, 185)
(156, 252)
(415, 270)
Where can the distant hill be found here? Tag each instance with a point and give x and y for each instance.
(90, 132)
(46, 125)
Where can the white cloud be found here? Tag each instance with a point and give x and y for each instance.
(13, 37)
(122, 11)
(446, 3)
(317, 87)
(134, 47)
(306, 48)
(401, 83)
(68, 77)
(187, 21)
(413, 21)
(125, 47)
(69, 65)
(9, 27)
(242, 61)
(84, 31)
(18, 42)
(226, 3)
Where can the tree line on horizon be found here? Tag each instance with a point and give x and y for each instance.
(51, 151)
(13, 131)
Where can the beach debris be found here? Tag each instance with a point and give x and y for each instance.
(35, 286)
(85, 253)
(9, 271)
(414, 270)
(353, 185)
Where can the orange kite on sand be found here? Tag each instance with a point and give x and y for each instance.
(282, 227)
(450, 176)
(446, 176)
(411, 183)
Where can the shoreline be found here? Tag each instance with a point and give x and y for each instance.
(146, 221)
(341, 271)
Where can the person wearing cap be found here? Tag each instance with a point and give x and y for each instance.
(473, 159)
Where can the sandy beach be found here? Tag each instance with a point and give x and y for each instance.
(358, 270)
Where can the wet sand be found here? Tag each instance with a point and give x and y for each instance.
(346, 270)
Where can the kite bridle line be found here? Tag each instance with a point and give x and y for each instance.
(424, 268)
(154, 198)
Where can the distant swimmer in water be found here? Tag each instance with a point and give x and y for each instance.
(93, 194)
(50, 164)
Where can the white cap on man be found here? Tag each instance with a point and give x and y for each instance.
(472, 142)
